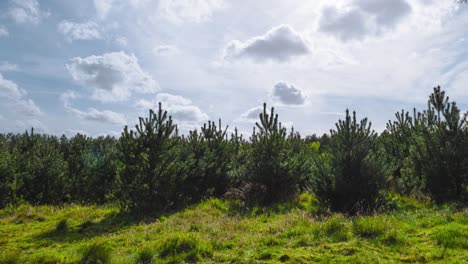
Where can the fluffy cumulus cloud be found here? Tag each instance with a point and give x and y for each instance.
(279, 44)
(26, 11)
(113, 76)
(180, 108)
(4, 31)
(92, 114)
(252, 114)
(362, 18)
(79, 31)
(288, 94)
(17, 97)
(192, 11)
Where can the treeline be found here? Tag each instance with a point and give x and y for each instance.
(152, 168)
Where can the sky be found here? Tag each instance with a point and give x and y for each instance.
(94, 66)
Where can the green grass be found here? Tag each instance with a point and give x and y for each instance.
(217, 231)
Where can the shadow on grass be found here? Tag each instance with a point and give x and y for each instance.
(112, 222)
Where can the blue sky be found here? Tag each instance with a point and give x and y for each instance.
(94, 66)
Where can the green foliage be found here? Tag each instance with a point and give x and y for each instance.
(358, 169)
(96, 254)
(41, 168)
(274, 160)
(148, 170)
(434, 149)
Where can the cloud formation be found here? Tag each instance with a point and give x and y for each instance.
(279, 44)
(362, 18)
(79, 31)
(92, 114)
(17, 97)
(180, 108)
(26, 12)
(288, 94)
(191, 11)
(113, 76)
(252, 114)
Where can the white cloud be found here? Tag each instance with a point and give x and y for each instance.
(92, 114)
(362, 18)
(10, 89)
(26, 12)
(192, 11)
(16, 97)
(105, 116)
(79, 31)
(5, 66)
(180, 108)
(28, 108)
(113, 76)
(166, 50)
(288, 94)
(4, 31)
(279, 44)
(252, 114)
(103, 7)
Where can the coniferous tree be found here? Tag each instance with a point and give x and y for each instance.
(148, 176)
(358, 169)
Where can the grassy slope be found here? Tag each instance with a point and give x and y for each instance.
(213, 232)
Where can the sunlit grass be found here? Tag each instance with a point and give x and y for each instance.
(217, 231)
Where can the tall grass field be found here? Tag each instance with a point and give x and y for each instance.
(218, 231)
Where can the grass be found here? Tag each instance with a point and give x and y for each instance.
(216, 231)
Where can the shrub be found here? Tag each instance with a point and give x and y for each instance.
(96, 254)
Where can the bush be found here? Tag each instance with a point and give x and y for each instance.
(96, 254)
